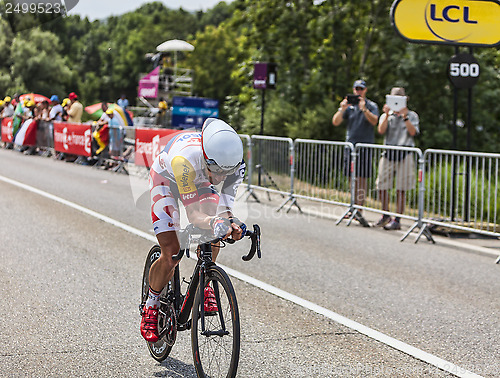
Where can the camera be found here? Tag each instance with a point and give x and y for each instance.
(353, 99)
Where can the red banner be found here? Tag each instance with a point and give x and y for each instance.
(149, 143)
(72, 138)
(7, 130)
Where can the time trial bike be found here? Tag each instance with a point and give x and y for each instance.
(215, 336)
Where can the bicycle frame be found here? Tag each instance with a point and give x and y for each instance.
(183, 306)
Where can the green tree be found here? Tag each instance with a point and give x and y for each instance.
(216, 56)
(37, 63)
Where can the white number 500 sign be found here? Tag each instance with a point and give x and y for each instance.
(464, 69)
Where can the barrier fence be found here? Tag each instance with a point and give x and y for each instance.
(274, 166)
(393, 180)
(462, 191)
(453, 189)
(319, 174)
(247, 155)
(327, 171)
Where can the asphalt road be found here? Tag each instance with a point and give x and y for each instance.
(70, 288)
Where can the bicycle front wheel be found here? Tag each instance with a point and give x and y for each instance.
(216, 344)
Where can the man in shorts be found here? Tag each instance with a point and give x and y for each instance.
(187, 170)
(361, 115)
(399, 128)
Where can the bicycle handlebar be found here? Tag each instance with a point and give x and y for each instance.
(255, 247)
(205, 235)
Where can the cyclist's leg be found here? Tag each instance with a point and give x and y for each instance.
(165, 217)
(159, 274)
(163, 269)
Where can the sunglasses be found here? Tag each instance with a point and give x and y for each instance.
(214, 168)
(359, 88)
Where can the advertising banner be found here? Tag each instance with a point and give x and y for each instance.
(264, 75)
(148, 85)
(7, 130)
(149, 143)
(72, 138)
(191, 112)
(450, 22)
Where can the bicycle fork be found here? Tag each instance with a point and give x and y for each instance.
(221, 332)
(206, 252)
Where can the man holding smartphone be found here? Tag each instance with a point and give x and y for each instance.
(361, 115)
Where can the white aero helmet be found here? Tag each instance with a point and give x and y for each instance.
(222, 147)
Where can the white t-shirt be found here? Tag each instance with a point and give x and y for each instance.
(56, 113)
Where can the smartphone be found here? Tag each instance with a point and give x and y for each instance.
(353, 99)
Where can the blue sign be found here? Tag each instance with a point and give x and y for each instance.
(189, 112)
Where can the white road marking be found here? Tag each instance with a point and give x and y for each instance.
(376, 335)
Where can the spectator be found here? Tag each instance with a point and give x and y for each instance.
(75, 109)
(32, 112)
(115, 134)
(42, 111)
(56, 113)
(161, 116)
(65, 105)
(101, 133)
(361, 114)
(123, 102)
(8, 110)
(18, 115)
(104, 119)
(29, 110)
(399, 128)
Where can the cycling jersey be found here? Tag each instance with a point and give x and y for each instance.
(178, 173)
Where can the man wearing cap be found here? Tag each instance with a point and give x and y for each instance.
(75, 109)
(8, 110)
(56, 112)
(399, 128)
(361, 115)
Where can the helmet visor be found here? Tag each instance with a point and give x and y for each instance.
(214, 168)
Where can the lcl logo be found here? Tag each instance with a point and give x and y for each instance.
(436, 15)
(450, 13)
(451, 22)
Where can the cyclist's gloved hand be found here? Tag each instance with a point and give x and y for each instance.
(221, 227)
(242, 225)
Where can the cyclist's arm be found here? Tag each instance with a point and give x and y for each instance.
(229, 189)
(228, 193)
(197, 217)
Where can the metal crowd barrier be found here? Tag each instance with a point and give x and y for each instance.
(462, 191)
(247, 153)
(274, 169)
(45, 134)
(319, 171)
(393, 181)
(451, 189)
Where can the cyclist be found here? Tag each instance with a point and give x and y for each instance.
(188, 168)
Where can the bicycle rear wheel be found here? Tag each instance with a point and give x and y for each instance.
(216, 348)
(166, 316)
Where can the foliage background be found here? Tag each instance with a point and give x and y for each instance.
(320, 48)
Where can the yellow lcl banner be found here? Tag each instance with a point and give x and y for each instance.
(455, 22)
